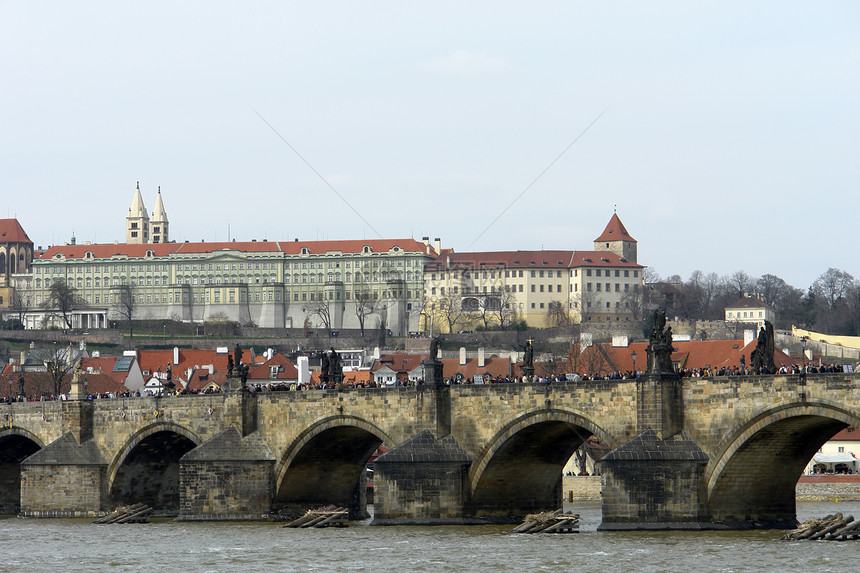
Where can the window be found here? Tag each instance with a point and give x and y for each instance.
(533, 288)
(597, 272)
(588, 272)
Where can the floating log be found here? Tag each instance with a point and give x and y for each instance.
(549, 522)
(831, 528)
(328, 516)
(137, 513)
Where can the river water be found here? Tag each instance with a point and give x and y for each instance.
(70, 545)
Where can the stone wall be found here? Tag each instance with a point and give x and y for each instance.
(828, 488)
(581, 488)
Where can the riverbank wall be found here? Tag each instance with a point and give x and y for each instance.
(809, 488)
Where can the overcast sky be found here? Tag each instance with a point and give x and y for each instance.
(728, 140)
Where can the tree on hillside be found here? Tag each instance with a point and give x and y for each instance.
(741, 283)
(448, 307)
(319, 309)
(63, 298)
(59, 363)
(830, 290)
(557, 314)
(364, 306)
(506, 312)
(124, 303)
(635, 301)
(20, 306)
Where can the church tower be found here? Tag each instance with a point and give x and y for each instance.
(616, 239)
(159, 221)
(137, 221)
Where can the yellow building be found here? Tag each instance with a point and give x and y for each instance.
(545, 288)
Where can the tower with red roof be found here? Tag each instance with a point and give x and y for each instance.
(616, 239)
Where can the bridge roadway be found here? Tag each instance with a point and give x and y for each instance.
(689, 453)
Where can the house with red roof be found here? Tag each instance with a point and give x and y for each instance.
(750, 310)
(693, 356)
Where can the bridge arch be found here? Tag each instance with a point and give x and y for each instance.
(519, 471)
(146, 469)
(325, 465)
(753, 476)
(16, 445)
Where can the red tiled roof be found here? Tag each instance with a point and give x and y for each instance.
(399, 362)
(495, 366)
(11, 231)
(477, 261)
(747, 302)
(614, 231)
(601, 259)
(285, 247)
(39, 384)
(691, 354)
(286, 370)
(847, 434)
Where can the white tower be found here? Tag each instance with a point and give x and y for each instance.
(137, 221)
(159, 221)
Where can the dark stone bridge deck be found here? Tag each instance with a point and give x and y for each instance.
(706, 452)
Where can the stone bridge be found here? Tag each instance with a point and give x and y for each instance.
(686, 453)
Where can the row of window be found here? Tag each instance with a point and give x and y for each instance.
(537, 273)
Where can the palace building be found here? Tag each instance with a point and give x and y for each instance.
(278, 284)
(544, 288)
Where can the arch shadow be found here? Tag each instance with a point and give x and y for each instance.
(16, 445)
(519, 472)
(751, 481)
(146, 469)
(325, 465)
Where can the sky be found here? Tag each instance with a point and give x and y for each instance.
(725, 134)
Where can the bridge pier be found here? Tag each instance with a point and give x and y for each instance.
(656, 480)
(226, 478)
(423, 481)
(64, 479)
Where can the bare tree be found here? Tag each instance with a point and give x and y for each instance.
(635, 301)
(58, 364)
(124, 303)
(449, 309)
(63, 298)
(364, 307)
(319, 309)
(741, 282)
(557, 314)
(506, 312)
(586, 303)
(20, 306)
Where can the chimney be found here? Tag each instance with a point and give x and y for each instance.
(462, 356)
(437, 244)
(481, 361)
(304, 370)
(175, 355)
(749, 336)
(211, 369)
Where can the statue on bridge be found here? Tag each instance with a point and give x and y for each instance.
(761, 358)
(528, 367)
(433, 372)
(237, 356)
(229, 366)
(324, 367)
(335, 368)
(660, 348)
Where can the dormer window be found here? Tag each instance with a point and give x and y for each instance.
(305, 251)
